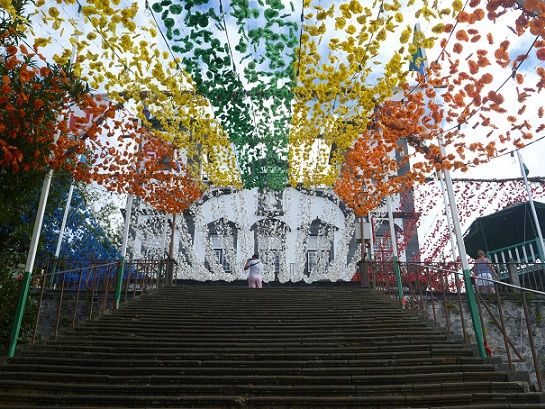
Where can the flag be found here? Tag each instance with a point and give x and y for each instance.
(526, 170)
(418, 59)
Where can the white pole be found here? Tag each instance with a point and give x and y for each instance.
(393, 233)
(164, 240)
(31, 256)
(472, 300)
(395, 258)
(454, 213)
(372, 240)
(448, 215)
(127, 225)
(64, 219)
(532, 207)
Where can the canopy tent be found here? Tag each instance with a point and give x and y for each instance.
(505, 228)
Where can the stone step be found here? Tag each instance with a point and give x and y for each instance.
(260, 387)
(94, 362)
(136, 372)
(251, 336)
(277, 402)
(277, 342)
(258, 350)
(276, 378)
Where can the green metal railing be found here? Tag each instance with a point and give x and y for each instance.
(438, 292)
(526, 252)
(81, 291)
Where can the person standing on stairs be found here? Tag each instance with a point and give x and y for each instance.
(255, 266)
(484, 271)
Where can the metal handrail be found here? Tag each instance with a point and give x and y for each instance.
(94, 289)
(531, 290)
(52, 273)
(423, 284)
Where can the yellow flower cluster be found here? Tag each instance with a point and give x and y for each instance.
(337, 93)
(115, 56)
(8, 6)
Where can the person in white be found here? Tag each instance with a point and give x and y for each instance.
(255, 266)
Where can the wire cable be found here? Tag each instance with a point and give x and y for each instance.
(443, 49)
(511, 76)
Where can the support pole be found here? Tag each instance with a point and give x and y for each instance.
(448, 215)
(170, 261)
(533, 209)
(121, 271)
(395, 253)
(164, 239)
(163, 259)
(31, 257)
(63, 226)
(372, 239)
(364, 277)
(470, 292)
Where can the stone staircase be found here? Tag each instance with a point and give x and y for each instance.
(272, 348)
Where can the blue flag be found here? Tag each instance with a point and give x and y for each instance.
(418, 59)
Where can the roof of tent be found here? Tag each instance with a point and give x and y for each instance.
(510, 226)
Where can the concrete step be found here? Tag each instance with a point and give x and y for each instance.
(277, 401)
(137, 373)
(297, 387)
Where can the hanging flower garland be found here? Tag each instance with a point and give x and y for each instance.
(472, 96)
(140, 77)
(240, 88)
(474, 199)
(250, 96)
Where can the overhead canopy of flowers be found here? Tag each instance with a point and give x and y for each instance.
(266, 93)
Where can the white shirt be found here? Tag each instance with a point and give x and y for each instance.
(256, 267)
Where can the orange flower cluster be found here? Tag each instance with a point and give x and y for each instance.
(39, 132)
(138, 163)
(378, 163)
(470, 95)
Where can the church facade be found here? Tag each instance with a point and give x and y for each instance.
(300, 235)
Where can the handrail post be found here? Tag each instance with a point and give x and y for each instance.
(19, 314)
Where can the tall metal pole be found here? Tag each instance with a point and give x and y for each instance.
(364, 278)
(372, 239)
(472, 300)
(164, 239)
(121, 271)
(163, 259)
(395, 252)
(532, 207)
(170, 261)
(64, 219)
(29, 266)
(448, 215)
